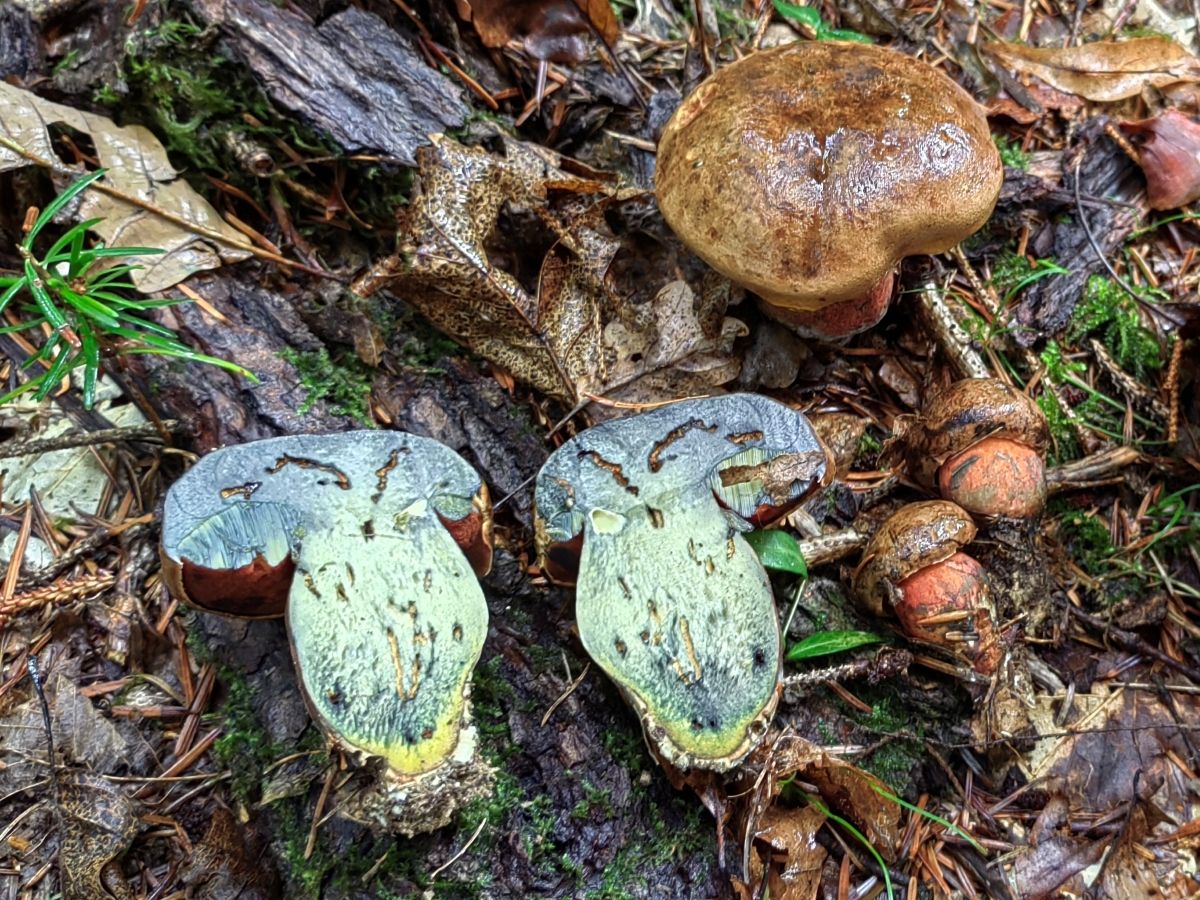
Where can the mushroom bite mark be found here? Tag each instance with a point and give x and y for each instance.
(806, 172)
(384, 612)
(671, 602)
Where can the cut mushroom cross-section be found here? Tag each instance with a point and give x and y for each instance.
(672, 603)
(372, 541)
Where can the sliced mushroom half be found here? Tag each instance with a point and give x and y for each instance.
(372, 542)
(646, 514)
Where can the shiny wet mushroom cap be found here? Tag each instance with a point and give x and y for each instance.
(370, 541)
(671, 601)
(806, 172)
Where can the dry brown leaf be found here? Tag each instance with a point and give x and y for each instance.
(137, 166)
(97, 824)
(1170, 158)
(575, 338)
(554, 30)
(226, 864)
(845, 789)
(1104, 70)
(788, 855)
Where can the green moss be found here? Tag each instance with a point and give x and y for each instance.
(344, 384)
(894, 761)
(243, 748)
(1012, 273)
(1085, 537)
(1107, 311)
(625, 743)
(1011, 154)
(686, 832)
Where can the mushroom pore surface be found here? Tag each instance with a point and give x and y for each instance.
(384, 612)
(671, 601)
(805, 172)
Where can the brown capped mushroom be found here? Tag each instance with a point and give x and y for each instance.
(982, 444)
(806, 172)
(914, 569)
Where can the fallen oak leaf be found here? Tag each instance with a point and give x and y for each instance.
(551, 30)
(1103, 70)
(843, 789)
(173, 216)
(1169, 146)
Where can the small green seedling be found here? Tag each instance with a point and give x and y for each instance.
(810, 18)
(779, 551)
(83, 302)
(827, 643)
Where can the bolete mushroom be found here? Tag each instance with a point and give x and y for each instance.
(806, 172)
(646, 514)
(981, 443)
(359, 538)
(914, 568)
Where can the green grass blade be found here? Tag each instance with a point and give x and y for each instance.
(149, 327)
(91, 363)
(933, 817)
(117, 252)
(858, 836)
(90, 307)
(65, 360)
(192, 356)
(52, 255)
(44, 303)
(13, 290)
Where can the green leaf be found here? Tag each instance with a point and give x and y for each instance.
(842, 34)
(44, 303)
(77, 187)
(828, 642)
(778, 550)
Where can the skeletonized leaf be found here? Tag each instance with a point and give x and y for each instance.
(1104, 70)
(576, 336)
(137, 166)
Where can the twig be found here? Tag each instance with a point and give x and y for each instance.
(61, 592)
(85, 547)
(1132, 643)
(457, 856)
(950, 335)
(142, 432)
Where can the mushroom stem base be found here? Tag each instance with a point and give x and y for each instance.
(837, 320)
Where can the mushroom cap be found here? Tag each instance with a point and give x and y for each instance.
(384, 613)
(913, 537)
(964, 414)
(672, 603)
(805, 172)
